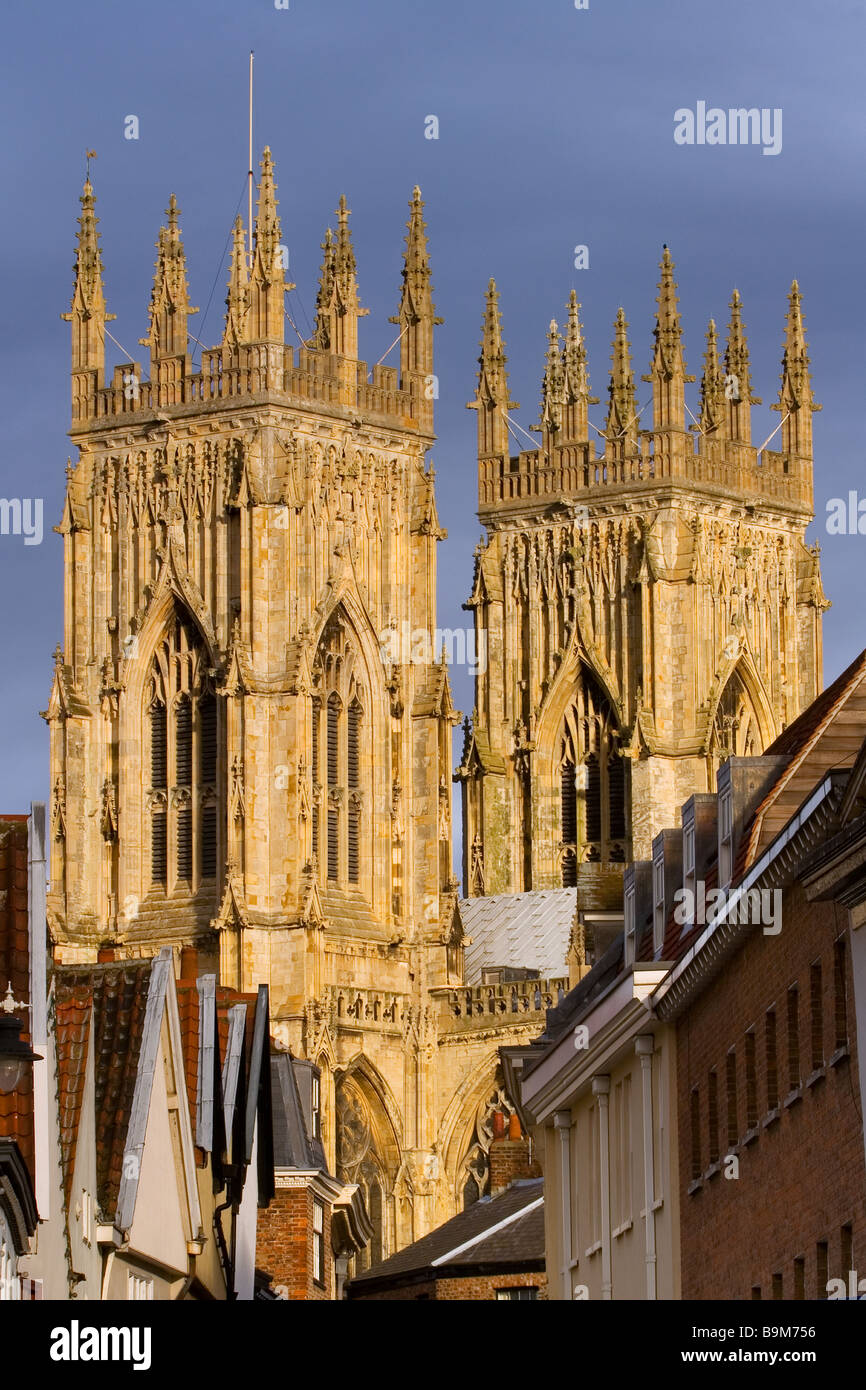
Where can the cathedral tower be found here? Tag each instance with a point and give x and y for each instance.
(649, 603)
(242, 763)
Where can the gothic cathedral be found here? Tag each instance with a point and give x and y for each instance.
(241, 770)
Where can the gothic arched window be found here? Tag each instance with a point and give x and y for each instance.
(339, 761)
(593, 793)
(735, 731)
(182, 731)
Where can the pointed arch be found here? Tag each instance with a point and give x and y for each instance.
(169, 711)
(467, 1127)
(582, 774)
(369, 1150)
(740, 720)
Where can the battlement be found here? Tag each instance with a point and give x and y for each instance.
(253, 360)
(574, 472)
(468, 1008)
(712, 450)
(318, 378)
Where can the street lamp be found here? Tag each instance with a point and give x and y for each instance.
(15, 1054)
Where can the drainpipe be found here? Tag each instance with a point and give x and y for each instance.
(601, 1089)
(225, 1260)
(562, 1124)
(644, 1047)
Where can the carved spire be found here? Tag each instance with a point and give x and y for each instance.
(668, 370)
(622, 424)
(795, 398)
(346, 304)
(267, 282)
(238, 297)
(738, 379)
(491, 395)
(552, 390)
(417, 315)
(575, 386)
(323, 337)
(87, 311)
(169, 300)
(713, 416)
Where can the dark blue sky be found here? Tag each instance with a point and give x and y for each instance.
(556, 129)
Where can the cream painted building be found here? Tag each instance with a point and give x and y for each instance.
(603, 1102)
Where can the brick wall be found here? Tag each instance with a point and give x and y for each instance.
(478, 1288)
(509, 1161)
(284, 1244)
(802, 1176)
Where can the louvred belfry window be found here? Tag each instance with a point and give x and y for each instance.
(183, 731)
(340, 759)
(594, 792)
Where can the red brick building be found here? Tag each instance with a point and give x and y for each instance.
(771, 1151)
(314, 1223)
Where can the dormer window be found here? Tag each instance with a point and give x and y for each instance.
(659, 923)
(630, 917)
(689, 869)
(726, 836)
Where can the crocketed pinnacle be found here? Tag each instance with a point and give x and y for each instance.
(345, 267)
(88, 295)
(668, 355)
(796, 379)
(87, 312)
(492, 373)
(553, 382)
(575, 373)
(712, 411)
(238, 297)
(737, 365)
(325, 298)
(416, 300)
(622, 408)
(267, 265)
(169, 300)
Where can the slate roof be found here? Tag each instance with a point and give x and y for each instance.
(826, 736)
(117, 995)
(519, 1243)
(16, 1109)
(528, 930)
(293, 1146)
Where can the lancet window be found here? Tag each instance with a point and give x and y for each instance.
(181, 743)
(593, 785)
